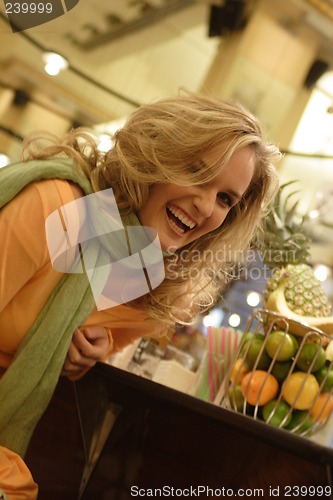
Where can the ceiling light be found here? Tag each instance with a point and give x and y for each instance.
(54, 63)
(234, 320)
(4, 160)
(110, 127)
(214, 318)
(322, 272)
(253, 299)
(314, 214)
(105, 143)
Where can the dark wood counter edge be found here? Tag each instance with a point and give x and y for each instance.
(298, 445)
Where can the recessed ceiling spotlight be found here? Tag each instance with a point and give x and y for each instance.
(54, 63)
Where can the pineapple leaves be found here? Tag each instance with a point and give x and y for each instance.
(291, 213)
(284, 239)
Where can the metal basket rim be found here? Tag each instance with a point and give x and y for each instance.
(308, 328)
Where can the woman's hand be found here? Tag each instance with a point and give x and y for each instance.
(89, 345)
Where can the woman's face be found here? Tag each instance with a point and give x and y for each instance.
(182, 214)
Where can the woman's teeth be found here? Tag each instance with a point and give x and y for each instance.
(182, 218)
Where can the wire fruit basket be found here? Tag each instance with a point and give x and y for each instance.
(282, 374)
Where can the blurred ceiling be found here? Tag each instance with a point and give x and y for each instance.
(123, 53)
(138, 61)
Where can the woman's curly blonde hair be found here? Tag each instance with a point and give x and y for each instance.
(161, 142)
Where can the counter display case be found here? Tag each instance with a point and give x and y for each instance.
(114, 436)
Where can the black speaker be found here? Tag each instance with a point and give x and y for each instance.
(21, 98)
(227, 18)
(318, 68)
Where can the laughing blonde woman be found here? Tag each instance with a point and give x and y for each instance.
(196, 169)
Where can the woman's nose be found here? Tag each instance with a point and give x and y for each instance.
(205, 202)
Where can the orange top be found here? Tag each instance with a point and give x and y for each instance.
(27, 277)
(15, 478)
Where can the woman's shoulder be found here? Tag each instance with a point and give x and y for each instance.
(54, 193)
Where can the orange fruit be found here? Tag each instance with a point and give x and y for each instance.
(259, 387)
(322, 407)
(300, 390)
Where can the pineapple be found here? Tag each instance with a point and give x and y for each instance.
(292, 290)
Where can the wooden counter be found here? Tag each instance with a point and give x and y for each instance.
(157, 437)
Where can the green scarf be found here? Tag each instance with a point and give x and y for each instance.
(28, 385)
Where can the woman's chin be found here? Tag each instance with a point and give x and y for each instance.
(170, 245)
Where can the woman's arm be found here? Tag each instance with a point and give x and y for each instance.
(23, 251)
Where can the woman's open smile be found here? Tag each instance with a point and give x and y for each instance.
(179, 221)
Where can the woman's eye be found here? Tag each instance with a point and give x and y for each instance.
(225, 199)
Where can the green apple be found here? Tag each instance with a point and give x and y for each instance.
(281, 369)
(277, 414)
(307, 354)
(236, 397)
(281, 346)
(325, 371)
(301, 420)
(252, 355)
